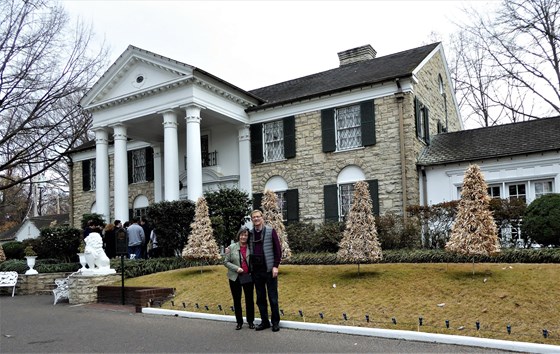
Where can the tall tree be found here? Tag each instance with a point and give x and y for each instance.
(474, 231)
(202, 245)
(272, 216)
(359, 242)
(46, 65)
(506, 62)
(228, 209)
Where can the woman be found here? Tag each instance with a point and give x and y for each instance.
(237, 263)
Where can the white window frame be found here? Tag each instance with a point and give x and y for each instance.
(273, 141)
(490, 191)
(348, 126)
(345, 199)
(544, 183)
(524, 196)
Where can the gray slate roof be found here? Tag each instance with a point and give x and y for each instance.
(39, 222)
(389, 67)
(521, 138)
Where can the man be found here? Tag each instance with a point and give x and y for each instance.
(266, 254)
(147, 232)
(136, 237)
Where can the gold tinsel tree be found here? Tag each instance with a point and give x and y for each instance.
(202, 245)
(474, 231)
(359, 242)
(2, 254)
(272, 216)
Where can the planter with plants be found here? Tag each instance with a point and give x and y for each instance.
(30, 256)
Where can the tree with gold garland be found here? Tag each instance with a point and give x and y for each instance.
(272, 216)
(474, 231)
(202, 245)
(359, 242)
(2, 254)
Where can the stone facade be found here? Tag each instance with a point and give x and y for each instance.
(83, 289)
(38, 284)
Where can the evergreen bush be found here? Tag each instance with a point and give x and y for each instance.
(59, 242)
(541, 223)
(172, 223)
(303, 236)
(14, 250)
(228, 209)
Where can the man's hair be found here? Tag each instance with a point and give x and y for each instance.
(256, 211)
(135, 220)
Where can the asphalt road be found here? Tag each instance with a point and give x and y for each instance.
(31, 324)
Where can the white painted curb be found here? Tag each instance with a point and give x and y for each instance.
(377, 332)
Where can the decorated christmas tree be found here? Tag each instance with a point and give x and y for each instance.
(359, 242)
(2, 254)
(272, 216)
(474, 231)
(201, 245)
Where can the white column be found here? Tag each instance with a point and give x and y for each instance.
(120, 172)
(102, 173)
(158, 175)
(194, 154)
(245, 181)
(171, 156)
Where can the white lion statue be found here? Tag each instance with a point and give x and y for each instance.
(94, 253)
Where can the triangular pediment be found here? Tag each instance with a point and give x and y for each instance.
(135, 71)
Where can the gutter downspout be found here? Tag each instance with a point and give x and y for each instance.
(400, 99)
(71, 190)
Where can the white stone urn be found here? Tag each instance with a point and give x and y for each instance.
(31, 264)
(83, 261)
(90, 260)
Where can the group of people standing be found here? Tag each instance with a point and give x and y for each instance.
(253, 263)
(141, 238)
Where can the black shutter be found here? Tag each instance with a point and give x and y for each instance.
(417, 117)
(426, 126)
(374, 193)
(367, 114)
(86, 175)
(256, 143)
(292, 201)
(257, 199)
(149, 164)
(130, 215)
(330, 194)
(289, 137)
(129, 163)
(328, 130)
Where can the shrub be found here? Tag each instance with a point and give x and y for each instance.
(60, 242)
(328, 236)
(228, 208)
(172, 223)
(13, 250)
(98, 219)
(541, 223)
(302, 236)
(394, 233)
(436, 221)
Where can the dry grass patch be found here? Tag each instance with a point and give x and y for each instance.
(524, 296)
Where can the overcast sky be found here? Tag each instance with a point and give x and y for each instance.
(258, 43)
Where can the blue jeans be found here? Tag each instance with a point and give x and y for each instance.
(135, 251)
(265, 283)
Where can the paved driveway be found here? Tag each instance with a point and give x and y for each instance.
(31, 324)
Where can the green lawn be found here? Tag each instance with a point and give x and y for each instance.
(524, 296)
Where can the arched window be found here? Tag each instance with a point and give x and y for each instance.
(345, 181)
(279, 186)
(140, 205)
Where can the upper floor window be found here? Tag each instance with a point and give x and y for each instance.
(88, 175)
(273, 136)
(349, 127)
(542, 188)
(273, 141)
(138, 166)
(422, 121)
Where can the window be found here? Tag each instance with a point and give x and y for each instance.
(273, 141)
(338, 199)
(345, 199)
(422, 121)
(273, 137)
(542, 188)
(494, 192)
(282, 204)
(138, 166)
(88, 175)
(348, 128)
(288, 202)
(517, 191)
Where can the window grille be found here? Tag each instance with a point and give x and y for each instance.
(348, 128)
(92, 175)
(273, 141)
(282, 204)
(138, 166)
(542, 188)
(345, 198)
(517, 191)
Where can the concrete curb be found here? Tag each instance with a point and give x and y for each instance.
(376, 332)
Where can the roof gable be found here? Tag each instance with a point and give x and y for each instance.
(136, 70)
(367, 72)
(521, 138)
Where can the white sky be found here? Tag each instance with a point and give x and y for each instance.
(258, 43)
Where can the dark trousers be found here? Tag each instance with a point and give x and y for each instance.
(265, 283)
(236, 289)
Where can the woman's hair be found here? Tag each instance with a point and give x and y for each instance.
(241, 230)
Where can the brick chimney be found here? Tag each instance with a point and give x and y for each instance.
(365, 52)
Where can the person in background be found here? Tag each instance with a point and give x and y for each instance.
(237, 262)
(136, 237)
(153, 250)
(109, 238)
(266, 254)
(147, 232)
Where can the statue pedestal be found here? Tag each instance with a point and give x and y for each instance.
(82, 289)
(97, 271)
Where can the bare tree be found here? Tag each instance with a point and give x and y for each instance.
(506, 64)
(46, 65)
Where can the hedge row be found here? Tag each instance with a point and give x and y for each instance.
(136, 268)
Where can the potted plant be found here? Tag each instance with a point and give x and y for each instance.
(81, 255)
(30, 256)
